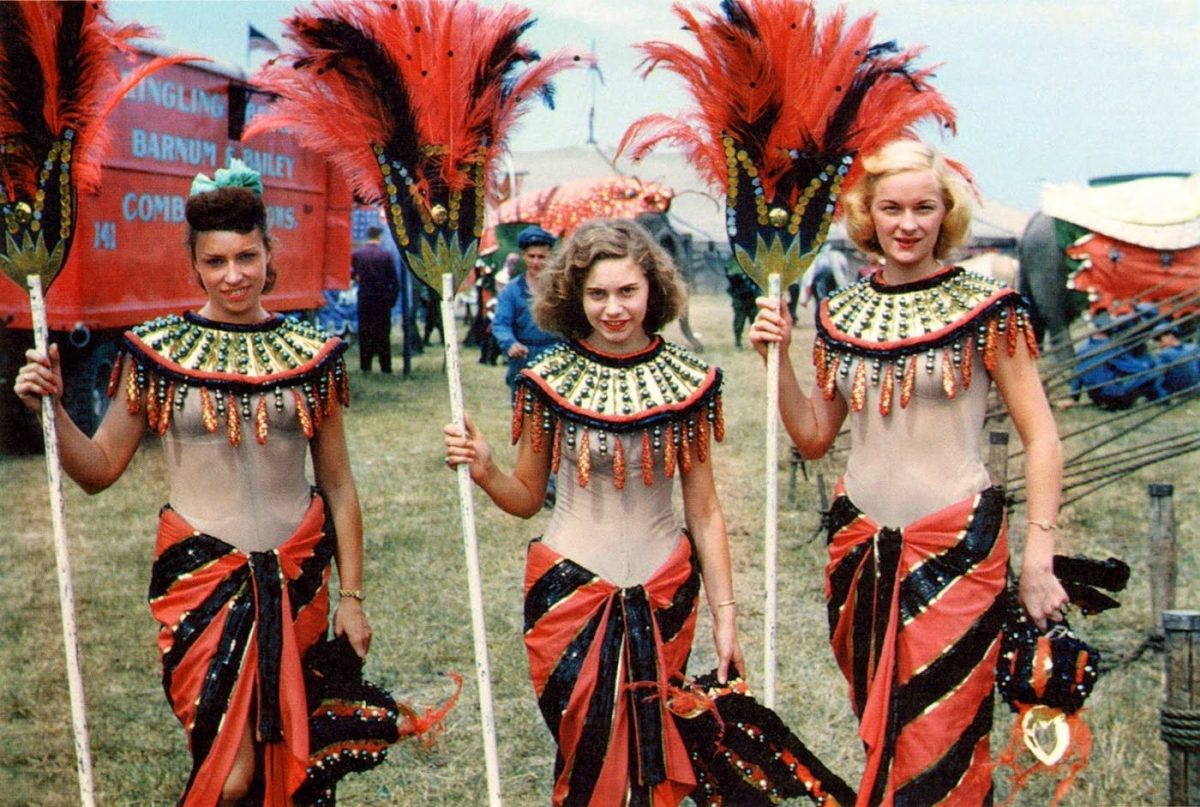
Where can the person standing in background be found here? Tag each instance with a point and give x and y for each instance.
(519, 336)
(378, 289)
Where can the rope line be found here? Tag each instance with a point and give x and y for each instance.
(1180, 727)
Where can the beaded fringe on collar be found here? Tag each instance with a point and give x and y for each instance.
(887, 329)
(228, 365)
(576, 394)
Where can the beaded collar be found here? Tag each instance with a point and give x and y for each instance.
(666, 392)
(954, 312)
(228, 364)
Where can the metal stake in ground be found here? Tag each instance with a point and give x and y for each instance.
(66, 593)
(466, 504)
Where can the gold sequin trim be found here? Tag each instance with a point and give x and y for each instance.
(949, 386)
(968, 360)
(585, 460)
(909, 381)
(858, 392)
(260, 421)
(208, 411)
(619, 463)
(885, 394)
(233, 420)
(303, 415)
(647, 460)
(556, 446)
(669, 452)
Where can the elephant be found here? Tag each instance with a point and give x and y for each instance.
(1148, 221)
(1043, 281)
(678, 247)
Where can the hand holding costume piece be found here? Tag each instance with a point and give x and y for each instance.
(38, 377)
(472, 449)
(771, 325)
(1041, 595)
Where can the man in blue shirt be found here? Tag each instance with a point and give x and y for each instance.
(1114, 377)
(1180, 361)
(519, 336)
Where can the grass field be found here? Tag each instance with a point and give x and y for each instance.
(418, 606)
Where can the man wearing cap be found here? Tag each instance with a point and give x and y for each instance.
(519, 336)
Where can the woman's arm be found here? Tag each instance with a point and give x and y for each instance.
(331, 466)
(811, 421)
(520, 493)
(706, 523)
(1018, 382)
(93, 462)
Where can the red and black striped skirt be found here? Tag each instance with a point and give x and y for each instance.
(915, 617)
(601, 658)
(234, 628)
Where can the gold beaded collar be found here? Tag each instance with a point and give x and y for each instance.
(665, 391)
(229, 364)
(884, 329)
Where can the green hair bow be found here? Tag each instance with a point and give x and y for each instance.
(237, 175)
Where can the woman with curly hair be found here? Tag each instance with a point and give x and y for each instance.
(612, 586)
(918, 548)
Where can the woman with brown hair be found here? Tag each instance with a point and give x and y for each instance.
(240, 583)
(918, 547)
(612, 586)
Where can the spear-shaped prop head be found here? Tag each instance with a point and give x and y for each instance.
(413, 100)
(59, 80)
(783, 105)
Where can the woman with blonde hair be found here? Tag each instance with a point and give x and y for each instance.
(918, 548)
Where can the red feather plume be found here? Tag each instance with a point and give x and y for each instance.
(57, 72)
(58, 83)
(782, 105)
(412, 100)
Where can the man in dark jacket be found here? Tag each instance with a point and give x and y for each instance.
(378, 289)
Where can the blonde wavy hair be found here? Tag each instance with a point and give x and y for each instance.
(558, 303)
(897, 157)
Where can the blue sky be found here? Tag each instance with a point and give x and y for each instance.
(1046, 90)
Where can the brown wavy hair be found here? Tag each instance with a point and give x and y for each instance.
(238, 210)
(558, 303)
(897, 157)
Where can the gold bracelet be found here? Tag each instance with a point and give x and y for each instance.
(721, 605)
(351, 594)
(1048, 526)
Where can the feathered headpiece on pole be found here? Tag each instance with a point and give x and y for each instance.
(783, 105)
(58, 83)
(413, 100)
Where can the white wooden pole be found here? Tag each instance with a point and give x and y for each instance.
(66, 594)
(772, 507)
(470, 545)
